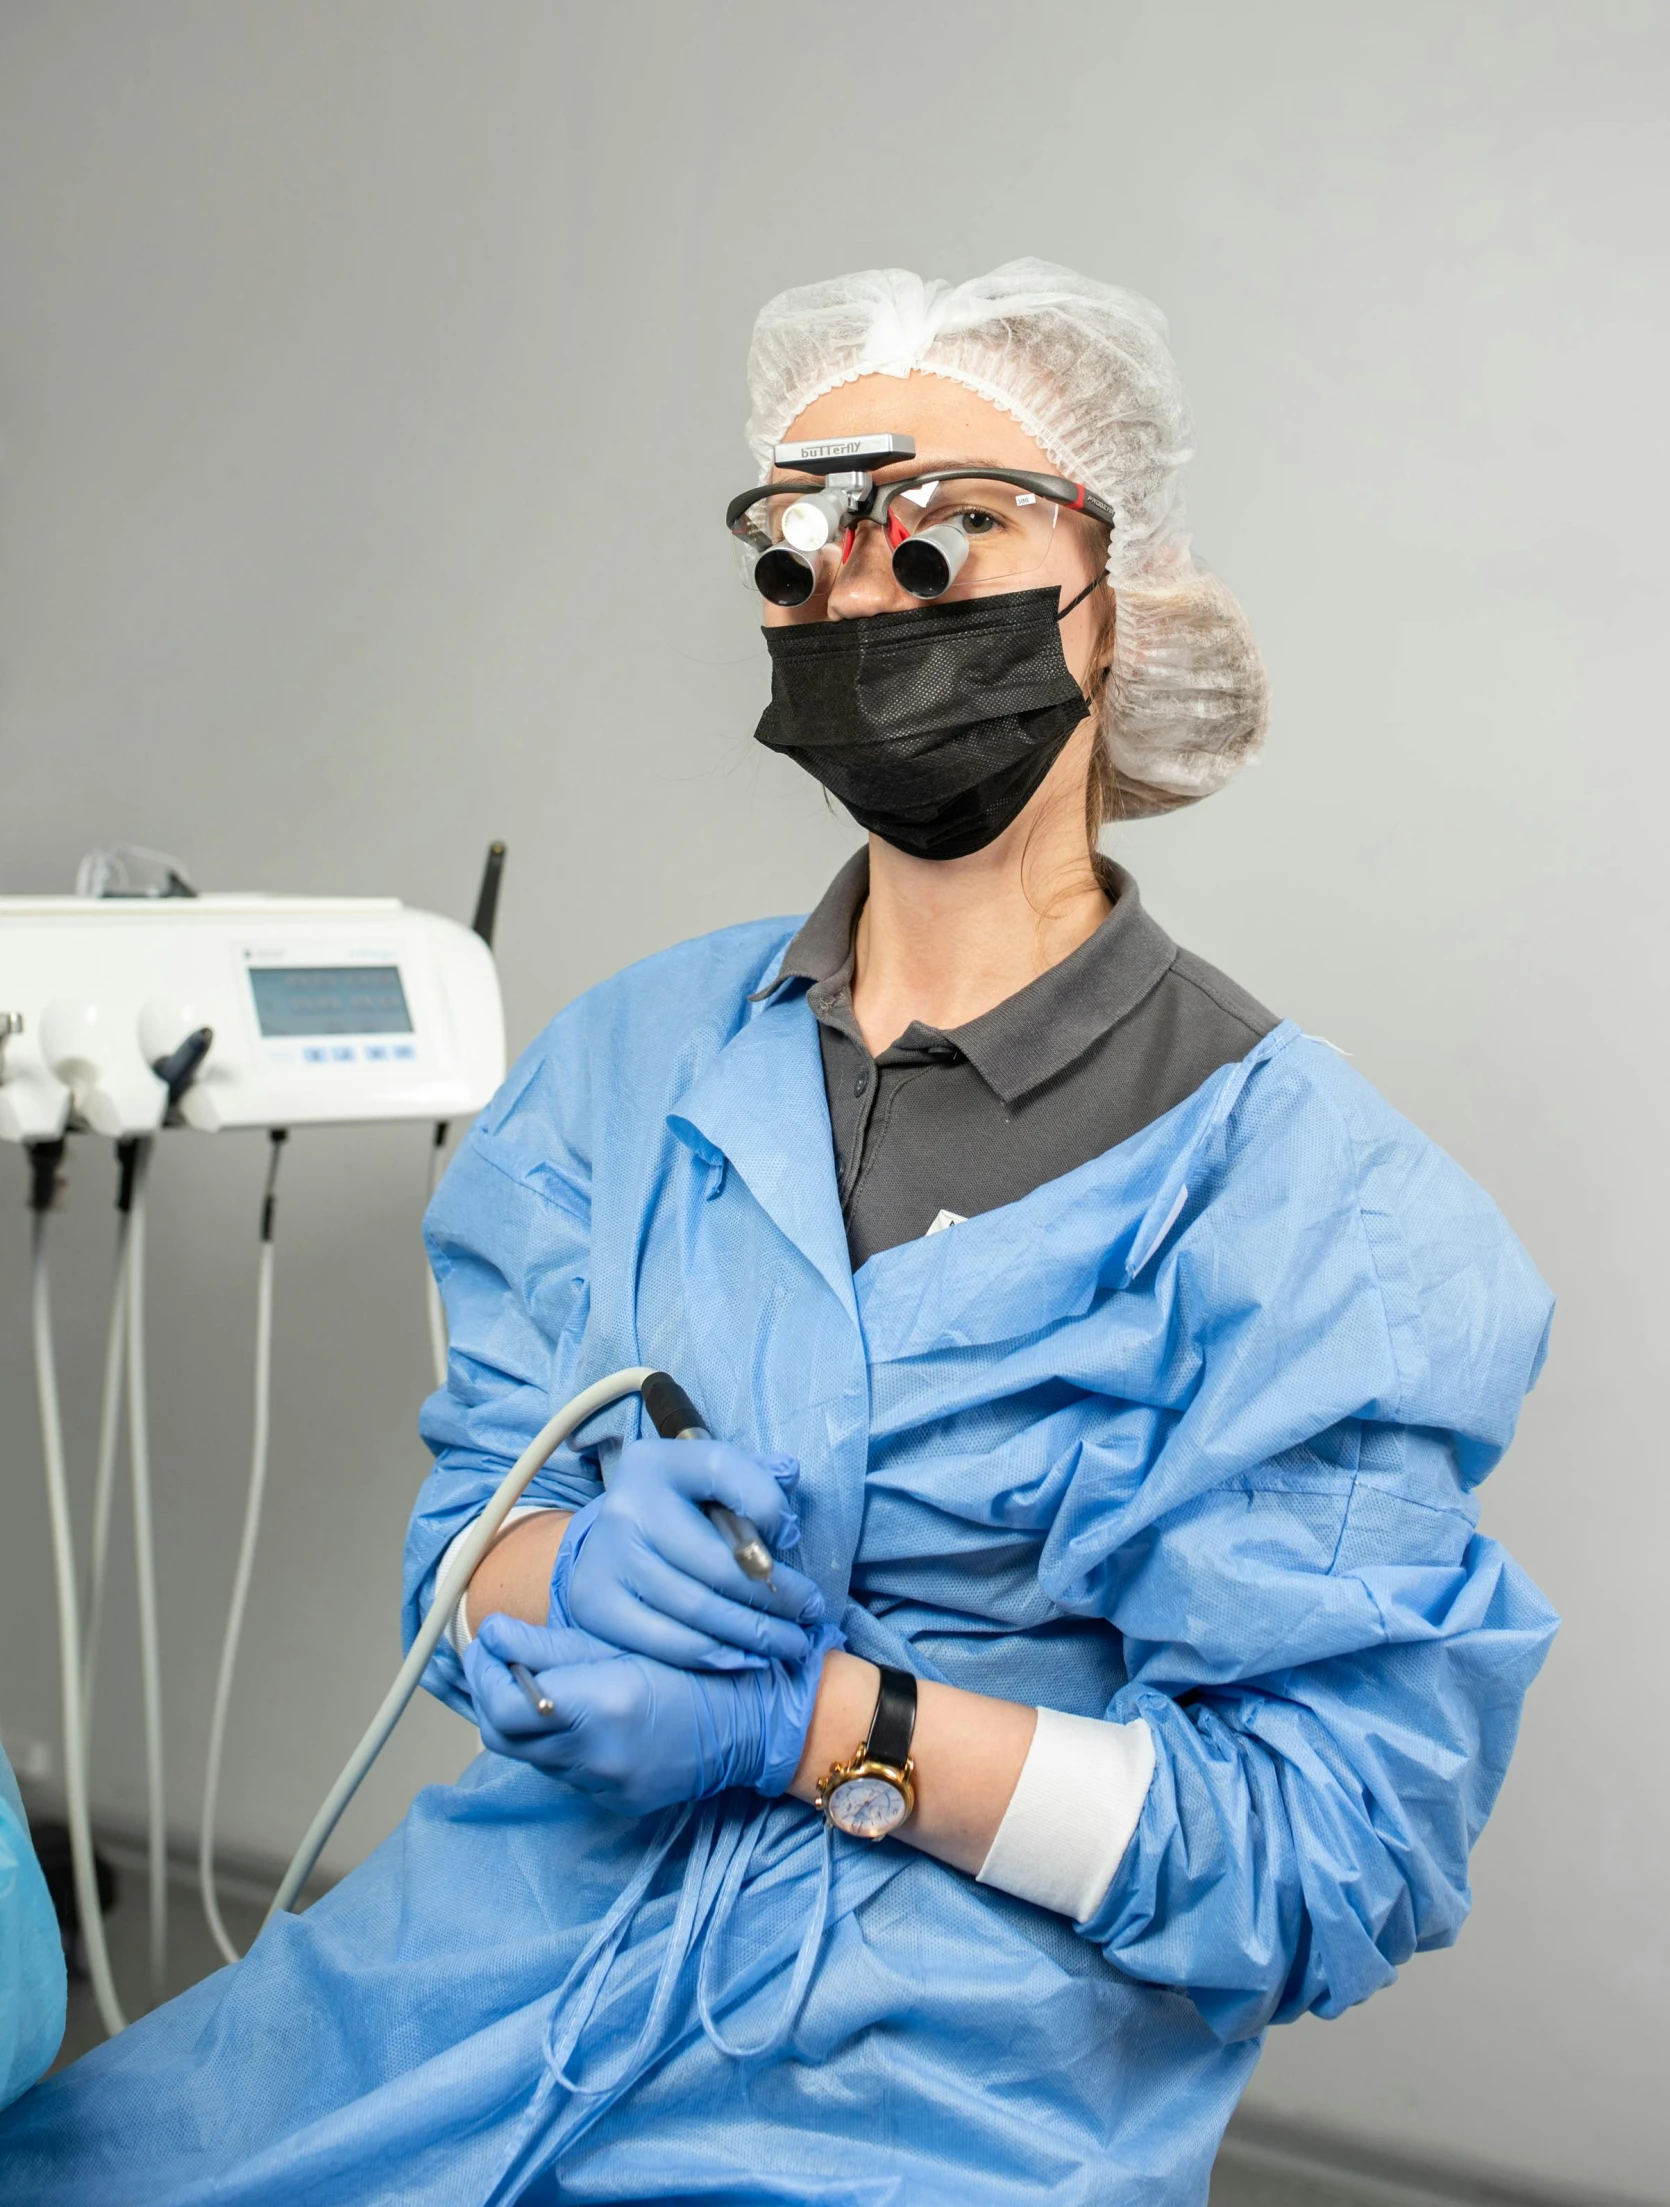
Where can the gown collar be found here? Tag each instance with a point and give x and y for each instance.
(760, 1105)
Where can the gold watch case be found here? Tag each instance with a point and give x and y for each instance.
(867, 1800)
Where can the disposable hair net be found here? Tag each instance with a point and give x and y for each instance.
(1085, 369)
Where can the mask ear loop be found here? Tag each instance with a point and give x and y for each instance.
(1079, 600)
(1073, 603)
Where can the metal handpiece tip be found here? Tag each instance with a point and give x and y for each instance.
(542, 1703)
(743, 1539)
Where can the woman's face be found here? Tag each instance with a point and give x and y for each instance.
(953, 427)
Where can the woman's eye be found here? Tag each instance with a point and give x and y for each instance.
(977, 522)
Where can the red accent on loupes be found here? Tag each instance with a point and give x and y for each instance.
(847, 543)
(1078, 503)
(896, 530)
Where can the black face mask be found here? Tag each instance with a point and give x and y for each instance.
(932, 728)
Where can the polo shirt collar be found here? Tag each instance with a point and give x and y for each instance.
(822, 951)
(1030, 1037)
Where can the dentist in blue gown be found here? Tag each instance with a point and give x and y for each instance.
(1111, 1371)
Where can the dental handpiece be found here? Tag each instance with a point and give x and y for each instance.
(675, 1417)
(538, 1700)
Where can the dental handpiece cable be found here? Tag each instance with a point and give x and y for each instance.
(145, 1567)
(259, 1447)
(674, 1417)
(124, 1364)
(110, 1424)
(45, 1158)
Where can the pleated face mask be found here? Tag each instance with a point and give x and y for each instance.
(933, 728)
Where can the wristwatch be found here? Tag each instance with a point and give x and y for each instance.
(876, 1792)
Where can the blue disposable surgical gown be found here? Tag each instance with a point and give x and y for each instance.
(1191, 1434)
(32, 1983)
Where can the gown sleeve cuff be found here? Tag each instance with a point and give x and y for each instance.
(458, 1628)
(1076, 1804)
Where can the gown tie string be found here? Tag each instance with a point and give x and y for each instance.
(806, 1961)
(721, 1853)
(722, 1848)
(580, 1990)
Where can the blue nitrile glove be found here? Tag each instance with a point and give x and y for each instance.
(635, 1734)
(643, 1569)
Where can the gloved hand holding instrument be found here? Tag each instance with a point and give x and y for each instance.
(727, 1629)
(649, 1592)
(635, 1734)
(657, 1587)
(648, 1568)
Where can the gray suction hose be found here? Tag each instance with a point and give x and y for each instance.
(674, 1417)
(448, 1594)
(44, 1162)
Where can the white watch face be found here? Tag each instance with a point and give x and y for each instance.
(867, 1808)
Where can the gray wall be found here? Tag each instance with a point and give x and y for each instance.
(331, 340)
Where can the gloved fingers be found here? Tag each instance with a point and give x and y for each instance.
(714, 1471)
(686, 1540)
(657, 1611)
(788, 1594)
(635, 1627)
(542, 1647)
(769, 1620)
(509, 1726)
(507, 1720)
(560, 1754)
(784, 1469)
(579, 1687)
(499, 1700)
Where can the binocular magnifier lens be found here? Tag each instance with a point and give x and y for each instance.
(783, 576)
(928, 564)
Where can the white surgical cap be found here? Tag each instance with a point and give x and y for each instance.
(1085, 369)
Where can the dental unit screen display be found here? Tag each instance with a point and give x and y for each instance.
(329, 1000)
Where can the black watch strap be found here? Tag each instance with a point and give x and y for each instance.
(894, 1721)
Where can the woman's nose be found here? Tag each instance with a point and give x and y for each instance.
(865, 582)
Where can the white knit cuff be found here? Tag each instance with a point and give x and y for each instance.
(1075, 1806)
(458, 1625)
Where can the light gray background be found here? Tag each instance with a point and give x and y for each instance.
(370, 385)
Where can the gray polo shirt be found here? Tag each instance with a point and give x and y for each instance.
(964, 1119)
